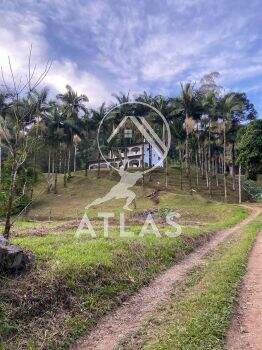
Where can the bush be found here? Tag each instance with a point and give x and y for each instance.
(24, 181)
(253, 189)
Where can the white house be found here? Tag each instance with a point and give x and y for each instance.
(134, 154)
(145, 154)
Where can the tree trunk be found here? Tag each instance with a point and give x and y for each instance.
(53, 163)
(86, 166)
(186, 156)
(150, 161)
(197, 176)
(233, 166)
(181, 169)
(206, 170)
(166, 163)
(224, 164)
(209, 160)
(49, 162)
(75, 151)
(55, 170)
(217, 170)
(35, 157)
(98, 169)
(60, 159)
(202, 163)
(143, 164)
(65, 169)
(68, 163)
(239, 185)
(10, 199)
(0, 161)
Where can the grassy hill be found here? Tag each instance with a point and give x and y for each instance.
(69, 203)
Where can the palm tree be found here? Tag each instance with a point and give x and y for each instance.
(53, 134)
(187, 104)
(97, 116)
(165, 107)
(37, 102)
(72, 106)
(209, 105)
(229, 105)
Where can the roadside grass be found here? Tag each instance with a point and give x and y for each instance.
(199, 314)
(76, 281)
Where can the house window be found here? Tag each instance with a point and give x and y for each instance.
(135, 150)
(128, 134)
(134, 163)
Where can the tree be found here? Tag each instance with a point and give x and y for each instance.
(249, 146)
(97, 116)
(230, 105)
(188, 103)
(72, 106)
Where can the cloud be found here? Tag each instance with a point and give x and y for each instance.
(18, 33)
(67, 72)
(108, 46)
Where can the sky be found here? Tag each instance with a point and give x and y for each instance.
(106, 46)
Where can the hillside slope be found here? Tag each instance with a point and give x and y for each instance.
(69, 203)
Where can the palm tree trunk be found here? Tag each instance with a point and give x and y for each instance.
(75, 151)
(209, 159)
(98, 169)
(150, 161)
(166, 172)
(86, 165)
(239, 185)
(55, 170)
(53, 163)
(0, 161)
(217, 170)
(186, 157)
(68, 163)
(35, 157)
(233, 166)
(65, 169)
(143, 164)
(49, 162)
(181, 168)
(206, 170)
(202, 163)
(224, 164)
(197, 176)
(60, 159)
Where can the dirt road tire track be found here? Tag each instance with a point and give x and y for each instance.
(128, 318)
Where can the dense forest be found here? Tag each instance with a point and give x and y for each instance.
(212, 135)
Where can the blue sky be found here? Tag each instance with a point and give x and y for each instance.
(103, 47)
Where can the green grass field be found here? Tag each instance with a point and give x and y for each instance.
(76, 281)
(69, 203)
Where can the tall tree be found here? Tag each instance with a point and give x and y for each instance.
(230, 105)
(72, 105)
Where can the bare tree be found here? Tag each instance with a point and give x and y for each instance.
(15, 127)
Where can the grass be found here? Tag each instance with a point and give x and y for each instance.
(76, 281)
(82, 190)
(199, 314)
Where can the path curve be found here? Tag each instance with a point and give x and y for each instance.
(245, 332)
(128, 318)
